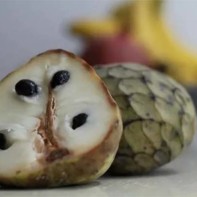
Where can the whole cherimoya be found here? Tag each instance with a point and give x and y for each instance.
(58, 123)
(158, 116)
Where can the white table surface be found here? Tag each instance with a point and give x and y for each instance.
(177, 179)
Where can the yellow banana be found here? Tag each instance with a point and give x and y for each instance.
(143, 18)
(150, 28)
(95, 28)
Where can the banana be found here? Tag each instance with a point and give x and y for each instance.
(143, 20)
(151, 29)
(95, 28)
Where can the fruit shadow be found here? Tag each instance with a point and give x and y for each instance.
(157, 173)
(68, 187)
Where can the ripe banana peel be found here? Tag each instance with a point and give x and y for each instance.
(144, 20)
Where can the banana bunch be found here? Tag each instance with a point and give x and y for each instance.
(144, 21)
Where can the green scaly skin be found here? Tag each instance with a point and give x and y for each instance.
(158, 116)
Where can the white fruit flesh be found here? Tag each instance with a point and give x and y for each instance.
(20, 117)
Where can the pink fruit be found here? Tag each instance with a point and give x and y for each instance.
(119, 48)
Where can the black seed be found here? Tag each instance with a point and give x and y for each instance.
(2, 141)
(79, 120)
(60, 78)
(26, 87)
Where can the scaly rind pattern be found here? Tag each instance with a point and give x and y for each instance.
(158, 116)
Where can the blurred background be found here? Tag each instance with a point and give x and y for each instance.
(28, 27)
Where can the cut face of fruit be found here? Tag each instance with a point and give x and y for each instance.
(55, 110)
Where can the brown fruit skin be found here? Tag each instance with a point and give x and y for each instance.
(67, 170)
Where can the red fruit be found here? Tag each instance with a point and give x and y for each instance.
(120, 48)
